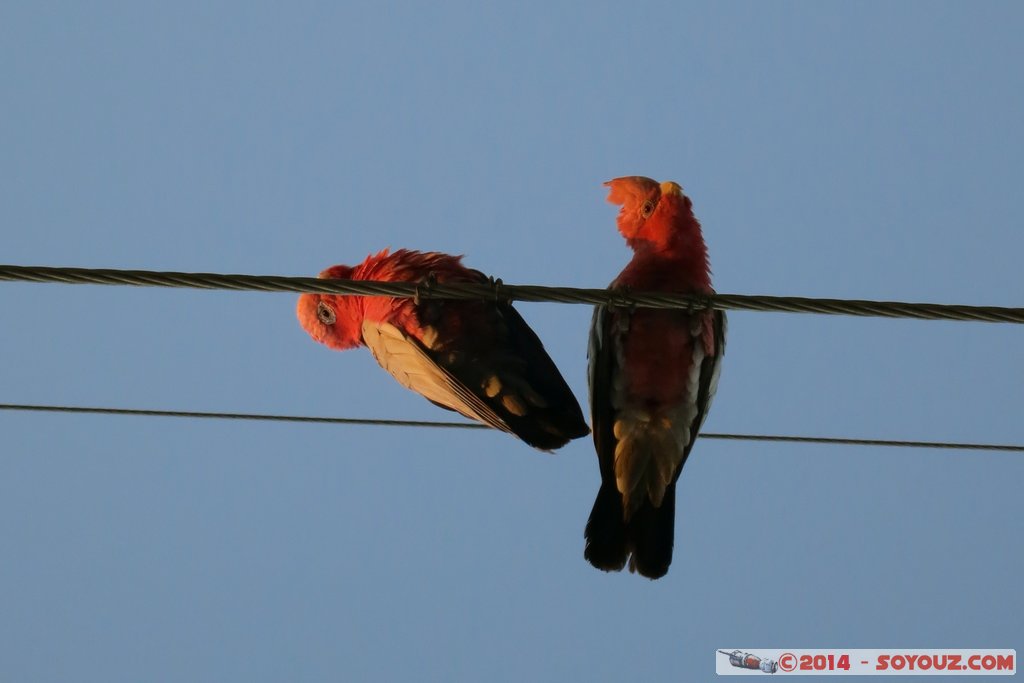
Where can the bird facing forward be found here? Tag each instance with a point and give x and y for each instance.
(652, 376)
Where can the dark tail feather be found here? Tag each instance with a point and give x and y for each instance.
(551, 427)
(606, 531)
(651, 531)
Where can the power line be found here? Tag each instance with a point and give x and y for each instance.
(500, 291)
(261, 417)
(833, 441)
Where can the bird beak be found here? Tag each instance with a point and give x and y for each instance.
(668, 187)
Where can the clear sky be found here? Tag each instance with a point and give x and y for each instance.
(869, 150)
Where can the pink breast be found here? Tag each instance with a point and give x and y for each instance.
(658, 357)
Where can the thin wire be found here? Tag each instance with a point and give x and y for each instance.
(946, 445)
(500, 291)
(237, 416)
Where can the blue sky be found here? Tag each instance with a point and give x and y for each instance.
(869, 150)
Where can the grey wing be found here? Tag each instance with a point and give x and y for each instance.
(710, 369)
(603, 352)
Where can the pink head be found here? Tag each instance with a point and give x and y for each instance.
(331, 319)
(653, 214)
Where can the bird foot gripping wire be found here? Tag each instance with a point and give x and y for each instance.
(424, 288)
(700, 302)
(499, 296)
(622, 297)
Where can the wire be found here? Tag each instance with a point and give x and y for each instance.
(237, 416)
(947, 445)
(500, 291)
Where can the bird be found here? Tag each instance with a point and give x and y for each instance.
(652, 375)
(475, 357)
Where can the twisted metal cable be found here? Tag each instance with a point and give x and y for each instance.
(501, 291)
(832, 441)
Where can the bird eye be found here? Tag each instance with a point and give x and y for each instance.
(647, 209)
(325, 313)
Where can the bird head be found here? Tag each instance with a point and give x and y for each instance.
(330, 318)
(653, 212)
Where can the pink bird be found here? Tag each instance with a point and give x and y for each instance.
(652, 376)
(478, 358)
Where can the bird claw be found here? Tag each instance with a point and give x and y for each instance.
(699, 302)
(496, 285)
(622, 297)
(424, 287)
